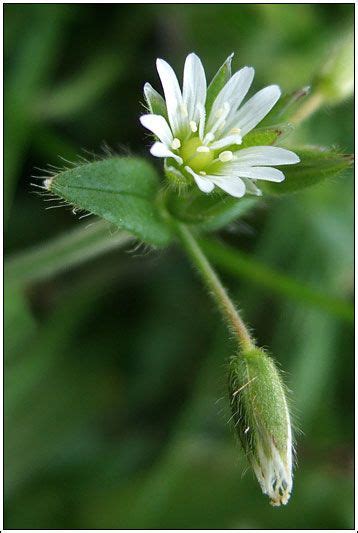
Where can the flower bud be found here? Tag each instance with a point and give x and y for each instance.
(336, 80)
(261, 417)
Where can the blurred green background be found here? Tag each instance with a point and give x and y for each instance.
(115, 394)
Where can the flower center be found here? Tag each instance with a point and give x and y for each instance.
(195, 155)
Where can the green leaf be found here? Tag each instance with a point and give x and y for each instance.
(217, 83)
(208, 212)
(266, 136)
(122, 190)
(317, 164)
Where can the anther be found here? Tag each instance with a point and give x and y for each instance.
(202, 173)
(176, 144)
(235, 131)
(193, 126)
(225, 156)
(203, 149)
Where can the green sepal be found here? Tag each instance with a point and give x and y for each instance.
(266, 136)
(155, 102)
(258, 402)
(176, 176)
(286, 106)
(122, 190)
(317, 164)
(217, 83)
(209, 212)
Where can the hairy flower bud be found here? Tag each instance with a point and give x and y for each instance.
(262, 420)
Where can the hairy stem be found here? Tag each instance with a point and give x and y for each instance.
(63, 252)
(217, 291)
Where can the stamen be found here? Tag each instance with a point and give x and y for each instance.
(225, 156)
(209, 137)
(176, 144)
(201, 111)
(203, 149)
(220, 123)
(235, 131)
(193, 126)
(202, 172)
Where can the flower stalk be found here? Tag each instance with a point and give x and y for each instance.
(217, 290)
(256, 392)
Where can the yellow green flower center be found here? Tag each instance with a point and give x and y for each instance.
(195, 155)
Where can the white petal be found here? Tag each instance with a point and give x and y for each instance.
(159, 126)
(226, 141)
(161, 150)
(233, 93)
(256, 109)
(204, 184)
(194, 86)
(232, 185)
(265, 155)
(262, 173)
(172, 93)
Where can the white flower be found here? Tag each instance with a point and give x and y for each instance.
(206, 146)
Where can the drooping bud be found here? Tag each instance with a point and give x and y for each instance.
(262, 421)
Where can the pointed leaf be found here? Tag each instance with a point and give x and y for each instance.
(122, 190)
